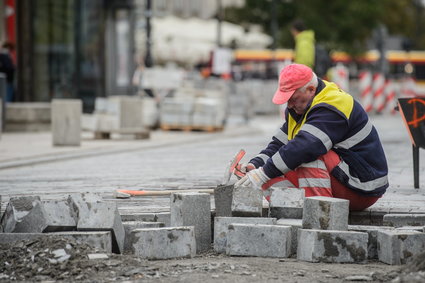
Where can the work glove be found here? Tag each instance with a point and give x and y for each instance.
(242, 168)
(256, 178)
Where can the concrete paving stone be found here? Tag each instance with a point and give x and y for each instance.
(247, 201)
(104, 216)
(221, 225)
(24, 215)
(258, 240)
(79, 203)
(410, 228)
(223, 195)
(372, 231)
(286, 203)
(59, 216)
(129, 216)
(325, 213)
(399, 220)
(164, 243)
(131, 225)
(377, 217)
(163, 217)
(332, 246)
(295, 225)
(193, 209)
(100, 240)
(398, 246)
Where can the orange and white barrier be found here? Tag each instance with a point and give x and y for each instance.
(365, 87)
(378, 92)
(390, 97)
(340, 76)
(408, 87)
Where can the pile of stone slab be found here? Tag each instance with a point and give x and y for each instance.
(313, 229)
(120, 114)
(194, 109)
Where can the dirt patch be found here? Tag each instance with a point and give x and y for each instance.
(66, 260)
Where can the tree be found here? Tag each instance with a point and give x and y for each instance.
(338, 24)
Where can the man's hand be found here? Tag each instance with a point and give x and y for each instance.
(255, 177)
(241, 169)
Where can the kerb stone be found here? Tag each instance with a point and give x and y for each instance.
(325, 213)
(221, 225)
(372, 231)
(247, 201)
(258, 240)
(295, 225)
(286, 203)
(193, 209)
(59, 216)
(332, 246)
(398, 246)
(104, 216)
(223, 196)
(164, 243)
(400, 220)
(131, 225)
(24, 215)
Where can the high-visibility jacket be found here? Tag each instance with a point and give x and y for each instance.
(333, 121)
(304, 48)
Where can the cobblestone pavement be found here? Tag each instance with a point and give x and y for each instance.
(172, 160)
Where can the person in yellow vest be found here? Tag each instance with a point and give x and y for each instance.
(326, 146)
(304, 52)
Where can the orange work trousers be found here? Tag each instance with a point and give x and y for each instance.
(316, 180)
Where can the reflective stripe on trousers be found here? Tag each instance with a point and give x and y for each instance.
(315, 179)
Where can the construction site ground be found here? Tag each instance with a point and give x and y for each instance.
(29, 165)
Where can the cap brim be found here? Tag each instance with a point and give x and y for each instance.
(281, 97)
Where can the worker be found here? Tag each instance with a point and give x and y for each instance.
(304, 43)
(327, 145)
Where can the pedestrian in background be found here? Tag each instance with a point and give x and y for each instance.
(8, 68)
(304, 43)
(326, 146)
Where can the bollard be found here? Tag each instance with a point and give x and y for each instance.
(66, 122)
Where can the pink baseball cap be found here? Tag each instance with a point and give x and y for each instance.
(291, 78)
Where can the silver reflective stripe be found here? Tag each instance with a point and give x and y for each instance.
(314, 164)
(279, 163)
(281, 136)
(314, 183)
(263, 157)
(358, 137)
(364, 186)
(318, 133)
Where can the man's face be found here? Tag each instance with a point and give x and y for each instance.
(300, 100)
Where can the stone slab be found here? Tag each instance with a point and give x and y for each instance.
(295, 225)
(164, 243)
(131, 225)
(399, 220)
(259, 240)
(138, 217)
(332, 246)
(221, 228)
(104, 216)
(398, 246)
(372, 231)
(286, 203)
(24, 215)
(163, 217)
(193, 209)
(325, 213)
(247, 201)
